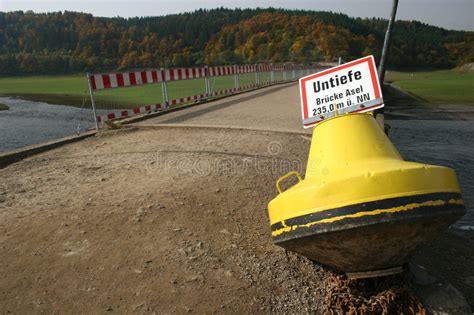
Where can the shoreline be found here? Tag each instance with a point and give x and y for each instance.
(51, 99)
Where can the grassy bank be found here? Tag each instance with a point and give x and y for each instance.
(72, 89)
(4, 107)
(447, 87)
(435, 86)
(51, 89)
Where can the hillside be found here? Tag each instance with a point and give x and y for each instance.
(67, 42)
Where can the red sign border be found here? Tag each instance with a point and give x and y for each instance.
(373, 75)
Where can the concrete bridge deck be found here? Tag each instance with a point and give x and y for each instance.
(276, 108)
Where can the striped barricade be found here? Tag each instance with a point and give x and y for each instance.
(103, 81)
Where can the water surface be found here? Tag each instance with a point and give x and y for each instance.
(441, 142)
(28, 122)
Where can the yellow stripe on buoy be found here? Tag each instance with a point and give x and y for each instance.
(368, 213)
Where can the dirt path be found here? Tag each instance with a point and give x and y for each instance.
(129, 222)
(170, 220)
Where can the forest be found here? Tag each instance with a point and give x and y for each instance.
(73, 42)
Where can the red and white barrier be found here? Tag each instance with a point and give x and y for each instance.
(132, 112)
(161, 106)
(104, 81)
(125, 79)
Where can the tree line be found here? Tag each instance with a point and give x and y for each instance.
(72, 42)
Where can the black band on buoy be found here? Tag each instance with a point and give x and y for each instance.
(379, 211)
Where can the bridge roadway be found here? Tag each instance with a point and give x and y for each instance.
(275, 108)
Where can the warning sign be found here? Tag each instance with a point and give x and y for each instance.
(351, 87)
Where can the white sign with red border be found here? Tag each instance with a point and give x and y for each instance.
(350, 87)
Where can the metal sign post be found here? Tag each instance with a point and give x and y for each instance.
(94, 111)
(387, 41)
(379, 116)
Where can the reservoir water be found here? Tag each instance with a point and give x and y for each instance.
(441, 142)
(28, 122)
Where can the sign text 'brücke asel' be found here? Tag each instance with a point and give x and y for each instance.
(351, 87)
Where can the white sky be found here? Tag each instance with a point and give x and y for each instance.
(450, 14)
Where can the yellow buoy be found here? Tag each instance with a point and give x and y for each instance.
(361, 207)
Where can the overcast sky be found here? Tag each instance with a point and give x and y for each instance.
(451, 14)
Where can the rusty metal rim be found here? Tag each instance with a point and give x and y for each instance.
(374, 273)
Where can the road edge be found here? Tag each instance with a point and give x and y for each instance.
(10, 157)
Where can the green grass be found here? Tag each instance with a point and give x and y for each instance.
(52, 89)
(4, 107)
(447, 87)
(72, 90)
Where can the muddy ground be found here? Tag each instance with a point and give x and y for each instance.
(127, 222)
